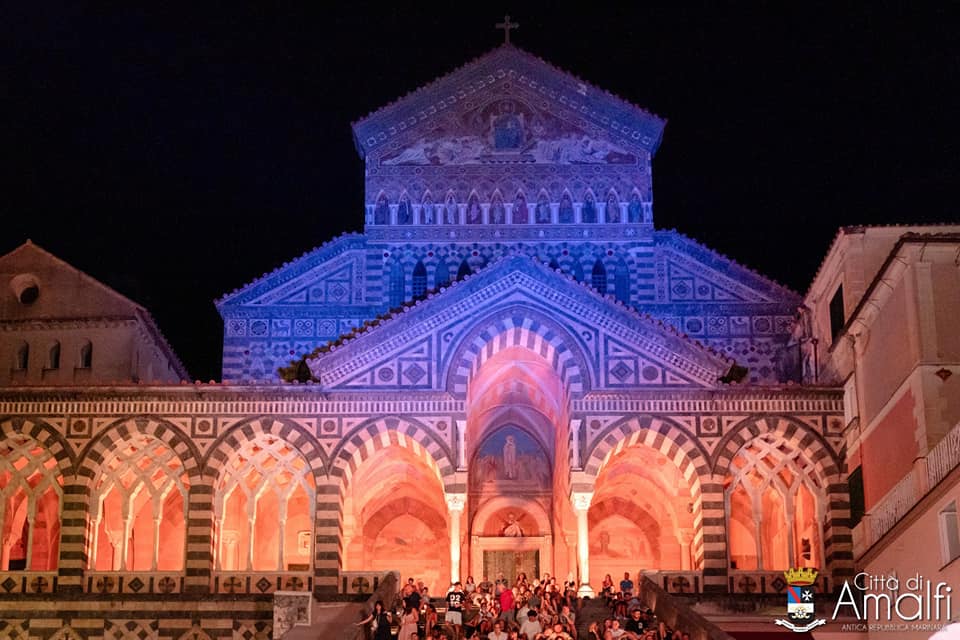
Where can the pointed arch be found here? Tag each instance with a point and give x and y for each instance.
(419, 280)
(474, 212)
(498, 212)
(588, 211)
(542, 213)
(451, 212)
(428, 214)
(396, 285)
(635, 208)
(621, 281)
(464, 270)
(114, 434)
(264, 494)
(673, 441)
(826, 466)
(576, 269)
(246, 431)
(404, 209)
(565, 212)
(53, 355)
(554, 264)
(31, 498)
(612, 211)
(441, 274)
(375, 434)
(521, 212)
(598, 276)
(381, 209)
(138, 506)
(85, 355)
(21, 358)
(514, 326)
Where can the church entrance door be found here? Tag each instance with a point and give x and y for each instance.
(511, 564)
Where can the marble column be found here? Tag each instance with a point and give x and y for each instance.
(581, 506)
(455, 505)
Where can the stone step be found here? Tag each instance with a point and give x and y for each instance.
(592, 610)
(330, 621)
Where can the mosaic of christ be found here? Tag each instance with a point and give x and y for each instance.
(508, 129)
(510, 459)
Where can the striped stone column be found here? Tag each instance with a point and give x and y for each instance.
(199, 566)
(76, 530)
(714, 529)
(326, 569)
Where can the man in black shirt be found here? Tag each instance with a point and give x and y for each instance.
(454, 616)
(635, 622)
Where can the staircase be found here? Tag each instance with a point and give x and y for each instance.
(335, 620)
(330, 621)
(593, 610)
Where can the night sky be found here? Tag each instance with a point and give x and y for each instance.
(177, 155)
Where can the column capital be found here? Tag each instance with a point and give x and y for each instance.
(456, 502)
(581, 500)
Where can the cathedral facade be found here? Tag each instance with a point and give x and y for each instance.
(511, 369)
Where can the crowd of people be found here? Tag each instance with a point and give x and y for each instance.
(538, 609)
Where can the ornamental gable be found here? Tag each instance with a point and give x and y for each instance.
(593, 341)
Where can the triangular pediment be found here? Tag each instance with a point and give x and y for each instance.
(423, 345)
(694, 273)
(329, 274)
(451, 120)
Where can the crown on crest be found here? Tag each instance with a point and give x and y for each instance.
(801, 577)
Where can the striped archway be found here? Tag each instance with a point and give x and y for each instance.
(669, 439)
(796, 435)
(357, 446)
(117, 444)
(247, 433)
(518, 326)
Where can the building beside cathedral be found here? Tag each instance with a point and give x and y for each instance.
(511, 369)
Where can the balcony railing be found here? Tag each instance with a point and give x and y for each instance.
(943, 458)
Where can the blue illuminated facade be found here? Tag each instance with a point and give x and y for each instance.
(509, 157)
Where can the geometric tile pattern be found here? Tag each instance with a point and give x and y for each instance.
(131, 630)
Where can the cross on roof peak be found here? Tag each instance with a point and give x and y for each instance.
(506, 25)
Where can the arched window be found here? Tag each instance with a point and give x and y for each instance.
(588, 213)
(635, 209)
(396, 284)
(577, 270)
(30, 496)
(419, 280)
(613, 208)
(450, 213)
(598, 277)
(381, 212)
(427, 213)
(474, 212)
(521, 214)
(464, 270)
(542, 213)
(22, 357)
(621, 283)
(441, 275)
(775, 506)
(265, 499)
(565, 213)
(86, 355)
(404, 210)
(498, 213)
(53, 356)
(139, 508)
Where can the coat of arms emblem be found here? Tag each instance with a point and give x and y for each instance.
(800, 609)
